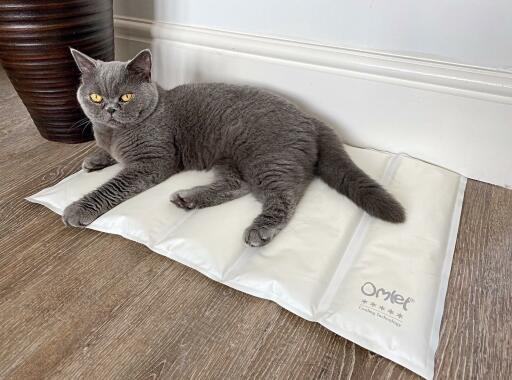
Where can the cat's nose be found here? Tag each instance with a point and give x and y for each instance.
(110, 110)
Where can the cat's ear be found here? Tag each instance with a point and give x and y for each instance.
(85, 63)
(141, 64)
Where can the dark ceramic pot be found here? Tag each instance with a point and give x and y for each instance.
(35, 37)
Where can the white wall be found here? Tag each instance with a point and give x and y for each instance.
(472, 32)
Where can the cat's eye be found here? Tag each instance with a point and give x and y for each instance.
(126, 97)
(96, 98)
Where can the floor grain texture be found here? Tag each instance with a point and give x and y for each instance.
(83, 304)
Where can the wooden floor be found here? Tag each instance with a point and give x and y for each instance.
(83, 304)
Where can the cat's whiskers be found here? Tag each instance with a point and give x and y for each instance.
(80, 123)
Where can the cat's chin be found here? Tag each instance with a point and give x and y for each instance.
(114, 123)
(111, 122)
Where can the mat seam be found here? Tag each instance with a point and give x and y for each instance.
(353, 247)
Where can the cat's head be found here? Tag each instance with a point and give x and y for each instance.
(116, 93)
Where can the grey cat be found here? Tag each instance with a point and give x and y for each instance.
(255, 141)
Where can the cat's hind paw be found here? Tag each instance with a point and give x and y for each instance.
(259, 236)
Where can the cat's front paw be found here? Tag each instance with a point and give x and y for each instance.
(184, 199)
(92, 163)
(76, 215)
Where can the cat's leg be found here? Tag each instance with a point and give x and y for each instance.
(228, 185)
(98, 160)
(207, 196)
(278, 208)
(129, 182)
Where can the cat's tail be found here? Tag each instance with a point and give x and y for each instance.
(336, 168)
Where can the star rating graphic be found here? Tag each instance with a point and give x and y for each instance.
(382, 308)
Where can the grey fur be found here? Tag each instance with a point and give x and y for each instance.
(255, 141)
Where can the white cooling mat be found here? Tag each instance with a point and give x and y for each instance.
(377, 284)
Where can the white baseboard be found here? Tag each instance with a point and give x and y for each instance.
(455, 116)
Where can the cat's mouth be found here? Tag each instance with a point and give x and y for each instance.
(106, 121)
(112, 121)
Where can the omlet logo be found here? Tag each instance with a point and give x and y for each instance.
(369, 289)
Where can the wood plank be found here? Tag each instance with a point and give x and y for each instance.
(476, 335)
